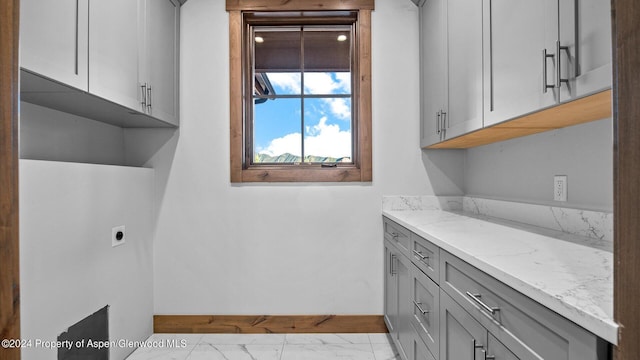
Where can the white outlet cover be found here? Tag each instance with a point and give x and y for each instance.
(560, 188)
(114, 232)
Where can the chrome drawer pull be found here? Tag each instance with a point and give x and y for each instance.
(419, 254)
(417, 304)
(476, 298)
(394, 235)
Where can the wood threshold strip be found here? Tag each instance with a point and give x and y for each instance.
(583, 110)
(268, 324)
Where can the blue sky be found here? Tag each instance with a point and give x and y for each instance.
(327, 120)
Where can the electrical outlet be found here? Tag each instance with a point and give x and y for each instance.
(117, 236)
(560, 188)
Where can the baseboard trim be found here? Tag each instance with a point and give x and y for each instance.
(264, 324)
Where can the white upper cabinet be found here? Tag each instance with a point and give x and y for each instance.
(541, 53)
(451, 65)
(116, 40)
(114, 61)
(53, 40)
(464, 54)
(433, 65)
(161, 59)
(585, 31)
(517, 32)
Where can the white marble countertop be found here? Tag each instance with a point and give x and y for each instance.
(559, 272)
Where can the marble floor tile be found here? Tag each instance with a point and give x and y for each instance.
(306, 339)
(267, 347)
(328, 352)
(382, 338)
(204, 351)
(385, 352)
(243, 339)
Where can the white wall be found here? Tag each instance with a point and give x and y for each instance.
(522, 169)
(282, 248)
(68, 269)
(47, 134)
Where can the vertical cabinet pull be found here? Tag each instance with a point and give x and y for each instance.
(77, 25)
(438, 122)
(545, 56)
(559, 79)
(149, 96)
(143, 87)
(393, 268)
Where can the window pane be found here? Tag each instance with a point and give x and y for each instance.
(327, 135)
(327, 49)
(327, 83)
(277, 60)
(276, 131)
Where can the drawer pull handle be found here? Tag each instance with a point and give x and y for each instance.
(419, 254)
(394, 236)
(476, 298)
(423, 311)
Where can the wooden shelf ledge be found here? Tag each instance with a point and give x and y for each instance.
(583, 110)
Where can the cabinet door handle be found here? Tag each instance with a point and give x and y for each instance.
(77, 30)
(545, 56)
(445, 120)
(475, 346)
(438, 122)
(419, 255)
(417, 304)
(144, 95)
(393, 262)
(149, 96)
(476, 298)
(559, 79)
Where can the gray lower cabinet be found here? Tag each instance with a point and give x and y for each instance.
(462, 337)
(425, 296)
(397, 306)
(439, 307)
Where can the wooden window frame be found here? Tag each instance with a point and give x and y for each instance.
(361, 169)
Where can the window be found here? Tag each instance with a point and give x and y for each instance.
(300, 90)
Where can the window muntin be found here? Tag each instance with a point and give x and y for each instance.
(301, 71)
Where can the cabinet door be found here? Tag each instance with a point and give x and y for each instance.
(433, 69)
(585, 29)
(115, 46)
(405, 306)
(420, 351)
(390, 289)
(516, 33)
(464, 50)
(53, 40)
(496, 349)
(162, 59)
(461, 336)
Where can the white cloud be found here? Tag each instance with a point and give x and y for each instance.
(324, 140)
(289, 82)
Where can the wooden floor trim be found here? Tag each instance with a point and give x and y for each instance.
(265, 324)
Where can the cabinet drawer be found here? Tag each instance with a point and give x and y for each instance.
(425, 318)
(426, 256)
(420, 351)
(397, 235)
(527, 328)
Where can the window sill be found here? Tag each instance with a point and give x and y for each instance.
(287, 174)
